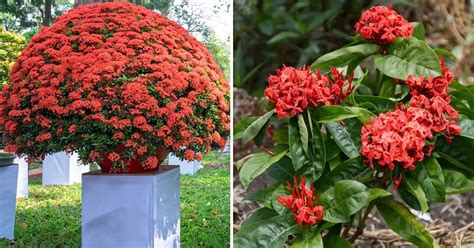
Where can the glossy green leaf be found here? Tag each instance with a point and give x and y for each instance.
(343, 56)
(343, 200)
(362, 114)
(259, 215)
(418, 30)
(458, 152)
(281, 190)
(388, 88)
(332, 150)
(269, 233)
(283, 170)
(404, 223)
(408, 197)
(406, 56)
(457, 183)
(467, 127)
(352, 169)
(336, 241)
(297, 153)
(315, 241)
(376, 193)
(415, 189)
(263, 196)
(445, 53)
(304, 136)
(253, 129)
(330, 113)
(430, 177)
(256, 164)
(318, 147)
(342, 139)
(378, 101)
(242, 125)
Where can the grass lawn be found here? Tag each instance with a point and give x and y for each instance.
(51, 217)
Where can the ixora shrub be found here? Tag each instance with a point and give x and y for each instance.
(120, 85)
(351, 136)
(11, 45)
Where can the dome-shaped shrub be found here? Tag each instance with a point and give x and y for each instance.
(115, 81)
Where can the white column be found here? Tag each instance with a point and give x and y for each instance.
(8, 184)
(131, 210)
(22, 188)
(62, 169)
(185, 167)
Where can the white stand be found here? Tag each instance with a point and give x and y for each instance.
(22, 188)
(8, 184)
(131, 210)
(62, 169)
(185, 167)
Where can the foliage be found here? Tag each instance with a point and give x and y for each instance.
(116, 90)
(11, 45)
(220, 51)
(399, 132)
(270, 33)
(51, 217)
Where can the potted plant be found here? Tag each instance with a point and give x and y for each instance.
(122, 86)
(391, 133)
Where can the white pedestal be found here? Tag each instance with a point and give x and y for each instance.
(185, 167)
(131, 210)
(22, 188)
(62, 169)
(8, 184)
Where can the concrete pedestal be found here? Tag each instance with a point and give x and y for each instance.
(62, 169)
(185, 167)
(22, 188)
(131, 210)
(8, 185)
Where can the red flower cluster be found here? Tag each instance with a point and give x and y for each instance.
(400, 136)
(293, 90)
(112, 74)
(397, 137)
(302, 203)
(382, 25)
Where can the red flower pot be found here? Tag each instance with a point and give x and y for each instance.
(135, 165)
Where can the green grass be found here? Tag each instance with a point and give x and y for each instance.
(215, 157)
(51, 217)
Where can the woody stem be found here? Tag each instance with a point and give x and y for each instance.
(360, 228)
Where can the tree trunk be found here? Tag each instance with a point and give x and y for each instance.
(47, 13)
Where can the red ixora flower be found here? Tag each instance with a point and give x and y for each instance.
(303, 203)
(382, 25)
(105, 71)
(292, 90)
(431, 86)
(397, 138)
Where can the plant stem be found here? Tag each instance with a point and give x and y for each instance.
(360, 228)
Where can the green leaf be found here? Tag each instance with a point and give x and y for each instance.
(457, 183)
(253, 129)
(330, 113)
(283, 170)
(362, 114)
(379, 102)
(404, 223)
(418, 30)
(318, 147)
(343, 56)
(264, 196)
(430, 177)
(458, 152)
(342, 139)
(343, 200)
(376, 193)
(303, 133)
(259, 215)
(281, 190)
(336, 242)
(408, 197)
(272, 232)
(285, 35)
(332, 150)
(350, 169)
(388, 88)
(445, 53)
(313, 242)
(406, 56)
(297, 153)
(242, 125)
(256, 164)
(467, 127)
(415, 189)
